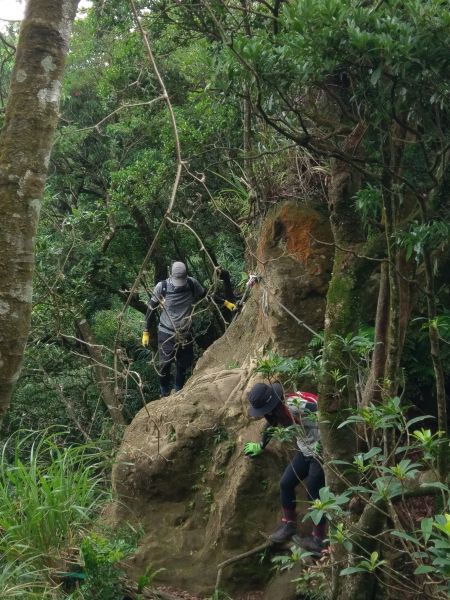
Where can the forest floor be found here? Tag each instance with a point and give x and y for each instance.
(177, 594)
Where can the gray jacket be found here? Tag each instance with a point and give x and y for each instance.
(176, 305)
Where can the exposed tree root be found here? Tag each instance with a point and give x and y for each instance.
(237, 558)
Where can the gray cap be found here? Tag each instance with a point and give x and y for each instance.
(178, 274)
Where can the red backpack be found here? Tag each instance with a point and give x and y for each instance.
(306, 396)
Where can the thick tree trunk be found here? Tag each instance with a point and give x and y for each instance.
(337, 394)
(25, 145)
(341, 318)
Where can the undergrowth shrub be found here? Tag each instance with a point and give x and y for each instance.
(48, 497)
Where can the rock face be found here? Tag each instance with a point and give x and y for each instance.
(180, 471)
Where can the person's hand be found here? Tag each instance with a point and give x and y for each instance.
(253, 449)
(145, 339)
(230, 305)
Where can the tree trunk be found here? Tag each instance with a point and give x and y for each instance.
(433, 334)
(104, 381)
(25, 145)
(372, 390)
(341, 318)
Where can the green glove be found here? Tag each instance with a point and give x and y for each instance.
(252, 449)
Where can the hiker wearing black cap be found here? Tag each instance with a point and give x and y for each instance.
(176, 296)
(268, 401)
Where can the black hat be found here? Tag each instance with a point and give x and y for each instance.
(263, 398)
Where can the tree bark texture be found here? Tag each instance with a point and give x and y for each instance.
(25, 144)
(433, 334)
(372, 391)
(341, 318)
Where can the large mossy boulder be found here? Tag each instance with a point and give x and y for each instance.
(180, 472)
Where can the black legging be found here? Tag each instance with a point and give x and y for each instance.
(301, 468)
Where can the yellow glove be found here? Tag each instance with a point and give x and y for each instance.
(145, 339)
(229, 305)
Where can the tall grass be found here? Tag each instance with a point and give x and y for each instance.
(21, 580)
(49, 493)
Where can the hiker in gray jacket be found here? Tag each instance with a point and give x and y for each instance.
(176, 296)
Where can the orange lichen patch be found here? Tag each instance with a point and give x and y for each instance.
(293, 230)
(298, 236)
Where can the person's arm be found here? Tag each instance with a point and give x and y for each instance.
(200, 293)
(199, 290)
(265, 438)
(150, 316)
(221, 301)
(253, 449)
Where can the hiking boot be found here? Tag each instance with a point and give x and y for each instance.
(311, 543)
(283, 532)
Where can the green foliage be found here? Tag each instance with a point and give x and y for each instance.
(428, 443)
(320, 72)
(50, 492)
(23, 581)
(431, 544)
(49, 496)
(378, 479)
(311, 583)
(106, 194)
(368, 204)
(365, 565)
(102, 574)
(220, 434)
(295, 372)
(291, 371)
(339, 534)
(286, 562)
(271, 365)
(424, 236)
(328, 504)
(388, 415)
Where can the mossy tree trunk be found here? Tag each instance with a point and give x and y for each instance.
(337, 393)
(25, 144)
(337, 390)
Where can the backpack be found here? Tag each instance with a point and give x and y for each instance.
(308, 440)
(190, 284)
(297, 403)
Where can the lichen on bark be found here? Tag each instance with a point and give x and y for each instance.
(26, 140)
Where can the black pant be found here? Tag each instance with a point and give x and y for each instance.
(174, 348)
(301, 468)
